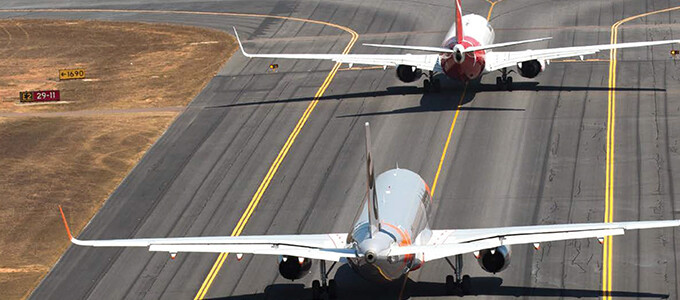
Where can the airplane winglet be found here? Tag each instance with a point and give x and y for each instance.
(68, 230)
(241, 45)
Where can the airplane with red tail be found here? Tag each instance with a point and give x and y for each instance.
(466, 54)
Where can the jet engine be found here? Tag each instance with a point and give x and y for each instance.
(494, 260)
(530, 69)
(408, 73)
(292, 267)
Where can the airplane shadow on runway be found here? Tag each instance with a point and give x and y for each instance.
(446, 100)
(352, 286)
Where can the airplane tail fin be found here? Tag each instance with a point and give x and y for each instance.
(373, 216)
(459, 22)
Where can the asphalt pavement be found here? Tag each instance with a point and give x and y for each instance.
(536, 155)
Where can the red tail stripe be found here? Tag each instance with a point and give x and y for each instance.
(459, 22)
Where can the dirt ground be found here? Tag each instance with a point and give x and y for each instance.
(127, 65)
(77, 160)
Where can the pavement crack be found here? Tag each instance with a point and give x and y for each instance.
(674, 149)
(599, 130)
(555, 145)
(551, 211)
(551, 175)
(663, 240)
(577, 248)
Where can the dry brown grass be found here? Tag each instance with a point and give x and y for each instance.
(77, 161)
(132, 64)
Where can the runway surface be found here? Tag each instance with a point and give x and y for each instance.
(536, 155)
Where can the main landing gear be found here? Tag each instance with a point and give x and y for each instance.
(325, 285)
(455, 285)
(504, 81)
(432, 84)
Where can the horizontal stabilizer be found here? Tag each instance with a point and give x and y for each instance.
(420, 48)
(447, 50)
(499, 45)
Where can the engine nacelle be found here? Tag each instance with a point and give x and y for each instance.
(494, 262)
(530, 69)
(408, 73)
(292, 267)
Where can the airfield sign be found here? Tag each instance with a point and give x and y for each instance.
(39, 96)
(67, 74)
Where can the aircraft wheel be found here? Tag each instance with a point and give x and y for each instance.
(499, 82)
(466, 285)
(316, 290)
(509, 83)
(436, 85)
(450, 285)
(426, 86)
(332, 289)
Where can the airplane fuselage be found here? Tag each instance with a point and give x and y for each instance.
(404, 203)
(477, 32)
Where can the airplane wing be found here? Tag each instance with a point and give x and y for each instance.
(428, 62)
(499, 60)
(331, 247)
(444, 243)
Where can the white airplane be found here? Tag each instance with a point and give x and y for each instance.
(391, 238)
(464, 55)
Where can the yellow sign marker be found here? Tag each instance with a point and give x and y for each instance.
(26, 96)
(67, 74)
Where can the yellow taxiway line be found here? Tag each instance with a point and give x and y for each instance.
(448, 140)
(275, 165)
(607, 252)
(291, 138)
(455, 117)
(493, 3)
